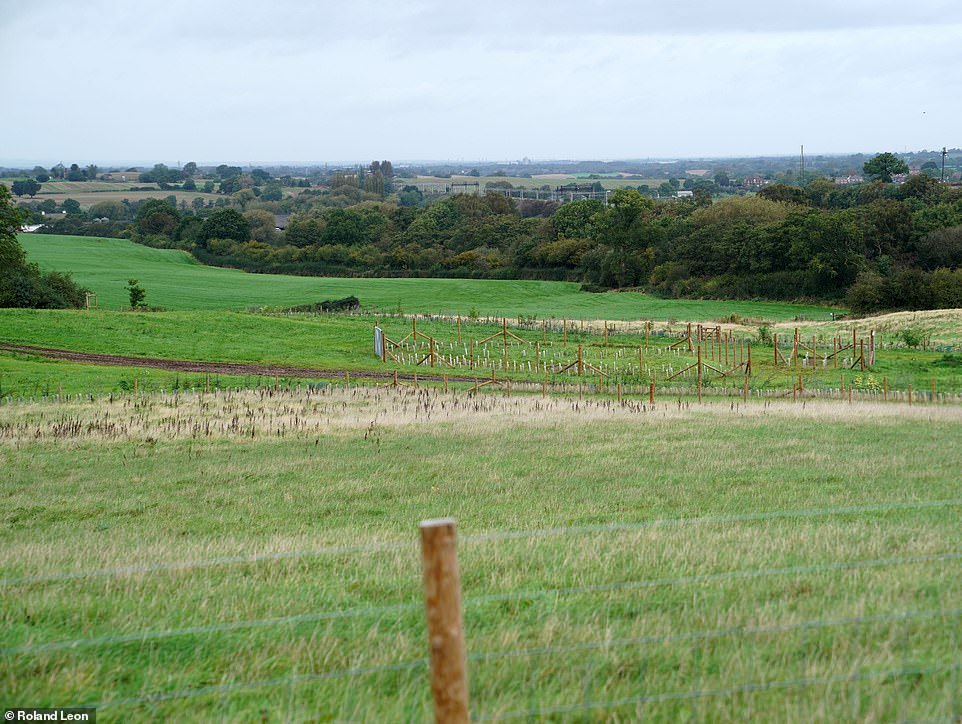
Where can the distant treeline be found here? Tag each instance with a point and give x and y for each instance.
(875, 246)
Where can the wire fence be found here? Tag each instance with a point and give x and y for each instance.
(494, 536)
(604, 644)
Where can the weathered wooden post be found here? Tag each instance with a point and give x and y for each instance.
(699, 366)
(442, 606)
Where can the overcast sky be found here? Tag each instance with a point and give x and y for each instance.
(316, 81)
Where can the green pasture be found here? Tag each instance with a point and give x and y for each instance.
(816, 578)
(339, 343)
(174, 280)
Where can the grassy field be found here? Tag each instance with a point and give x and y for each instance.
(338, 343)
(241, 555)
(174, 280)
(253, 556)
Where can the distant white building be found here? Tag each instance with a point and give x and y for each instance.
(685, 194)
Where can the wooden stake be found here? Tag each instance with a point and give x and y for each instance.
(885, 389)
(699, 366)
(565, 326)
(504, 329)
(444, 377)
(459, 329)
(745, 391)
(442, 606)
(933, 390)
(651, 392)
(910, 394)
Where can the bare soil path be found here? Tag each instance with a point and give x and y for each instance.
(223, 368)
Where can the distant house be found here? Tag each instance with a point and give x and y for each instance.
(129, 176)
(754, 182)
(846, 180)
(280, 221)
(684, 194)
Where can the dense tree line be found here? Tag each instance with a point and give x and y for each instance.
(876, 245)
(23, 284)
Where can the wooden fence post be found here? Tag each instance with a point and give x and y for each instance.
(442, 605)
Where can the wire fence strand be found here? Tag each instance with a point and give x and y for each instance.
(744, 574)
(180, 566)
(750, 688)
(707, 634)
(230, 688)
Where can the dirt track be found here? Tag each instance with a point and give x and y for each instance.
(222, 368)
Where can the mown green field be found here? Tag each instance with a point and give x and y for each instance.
(174, 280)
(710, 563)
(340, 344)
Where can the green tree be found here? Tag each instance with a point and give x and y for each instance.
(883, 166)
(156, 216)
(22, 284)
(113, 210)
(225, 224)
(27, 187)
(137, 294)
(11, 219)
